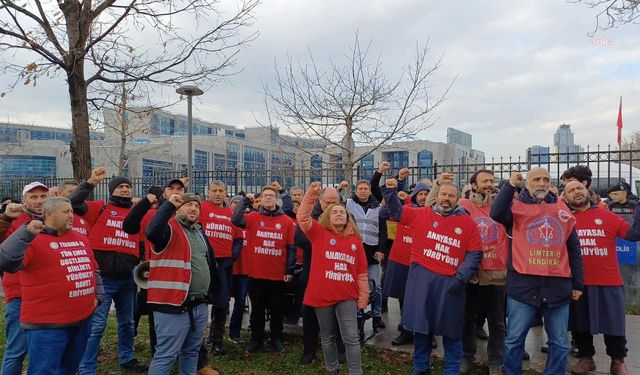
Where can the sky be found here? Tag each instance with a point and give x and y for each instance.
(522, 67)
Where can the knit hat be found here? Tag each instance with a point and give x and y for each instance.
(190, 197)
(419, 187)
(116, 181)
(235, 198)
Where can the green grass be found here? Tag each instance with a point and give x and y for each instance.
(236, 362)
(633, 309)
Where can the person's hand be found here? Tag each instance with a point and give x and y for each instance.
(391, 183)
(315, 187)
(176, 200)
(379, 256)
(185, 181)
(135, 200)
(575, 294)
(404, 173)
(250, 197)
(385, 165)
(276, 185)
(515, 179)
(152, 198)
(97, 175)
(13, 210)
(343, 185)
(35, 226)
(287, 278)
(402, 195)
(445, 178)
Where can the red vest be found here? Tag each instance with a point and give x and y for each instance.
(144, 223)
(492, 234)
(80, 225)
(58, 280)
(106, 233)
(597, 229)
(540, 233)
(170, 271)
(440, 243)
(241, 265)
(216, 222)
(336, 262)
(401, 248)
(268, 237)
(11, 281)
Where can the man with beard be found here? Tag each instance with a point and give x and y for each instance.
(117, 253)
(601, 308)
(34, 195)
(445, 254)
(544, 269)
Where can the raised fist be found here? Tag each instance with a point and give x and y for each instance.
(404, 173)
(445, 178)
(185, 181)
(250, 197)
(385, 165)
(152, 198)
(515, 179)
(14, 210)
(35, 226)
(402, 195)
(276, 185)
(391, 183)
(176, 200)
(315, 187)
(97, 175)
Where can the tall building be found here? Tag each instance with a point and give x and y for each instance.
(563, 143)
(539, 154)
(459, 137)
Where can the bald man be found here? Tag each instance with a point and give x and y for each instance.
(601, 308)
(544, 268)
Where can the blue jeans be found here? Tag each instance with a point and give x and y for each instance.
(519, 318)
(16, 348)
(422, 353)
(376, 303)
(123, 293)
(177, 337)
(57, 351)
(240, 286)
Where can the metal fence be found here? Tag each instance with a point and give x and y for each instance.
(608, 167)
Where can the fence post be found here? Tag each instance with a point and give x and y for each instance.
(435, 170)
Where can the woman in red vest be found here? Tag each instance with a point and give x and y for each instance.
(338, 278)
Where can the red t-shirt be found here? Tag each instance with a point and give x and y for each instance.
(241, 265)
(597, 229)
(106, 233)
(11, 281)
(216, 222)
(58, 279)
(336, 262)
(267, 240)
(440, 243)
(401, 248)
(80, 225)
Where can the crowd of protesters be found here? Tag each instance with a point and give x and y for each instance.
(513, 254)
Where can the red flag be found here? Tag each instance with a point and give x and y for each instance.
(619, 125)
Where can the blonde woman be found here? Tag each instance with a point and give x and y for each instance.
(338, 284)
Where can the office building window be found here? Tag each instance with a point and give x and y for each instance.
(366, 167)
(27, 166)
(425, 164)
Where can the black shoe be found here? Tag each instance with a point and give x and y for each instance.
(254, 347)
(434, 343)
(481, 334)
(416, 372)
(236, 339)
(307, 358)
(405, 337)
(218, 349)
(134, 366)
(400, 328)
(378, 323)
(526, 356)
(544, 348)
(277, 346)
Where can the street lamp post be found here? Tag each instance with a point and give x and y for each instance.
(189, 92)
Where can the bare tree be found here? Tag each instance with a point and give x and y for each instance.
(612, 13)
(106, 42)
(631, 143)
(352, 103)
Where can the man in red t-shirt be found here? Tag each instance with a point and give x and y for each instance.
(272, 256)
(602, 306)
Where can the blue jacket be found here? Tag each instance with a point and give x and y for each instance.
(531, 289)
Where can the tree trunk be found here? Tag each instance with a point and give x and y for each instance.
(123, 131)
(80, 143)
(347, 156)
